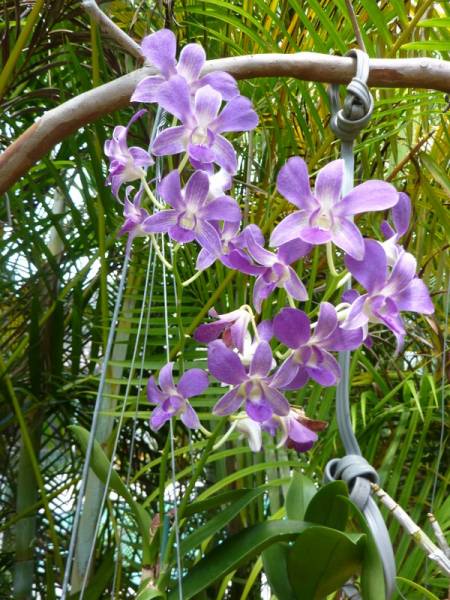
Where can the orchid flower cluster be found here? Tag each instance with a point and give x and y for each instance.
(200, 209)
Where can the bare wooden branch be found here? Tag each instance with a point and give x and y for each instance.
(105, 23)
(434, 553)
(60, 122)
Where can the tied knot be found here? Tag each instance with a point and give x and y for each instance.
(357, 473)
(348, 121)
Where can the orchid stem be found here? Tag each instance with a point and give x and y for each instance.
(151, 195)
(225, 437)
(205, 431)
(344, 280)
(291, 301)
(191, 279)
(159, 253)
(183, 163)
(248, 308)
(330, 260)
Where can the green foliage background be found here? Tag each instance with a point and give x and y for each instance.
(56, 300)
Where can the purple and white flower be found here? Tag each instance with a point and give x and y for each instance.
(159, 49)
(401, 214)
(231, 327)
(311, 346)
(274, 270)
(191, 213)
(126, 164)
(202, 125)
(134, 215)
(325, 216)
(252, 386)
(298, 432)
(388, 291)
(172, 400)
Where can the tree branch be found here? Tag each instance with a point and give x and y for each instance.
(60, 122)
(105, 23)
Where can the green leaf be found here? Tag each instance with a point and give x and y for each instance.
(372, 575)
(275, 567)
(236, 551)
(218, 522)
(438, 22)
(322, 560)
(436, 45)
(300, 493)
(150, 594)
(327, 506)
(214, 501)
(426, 593)
(101, 467)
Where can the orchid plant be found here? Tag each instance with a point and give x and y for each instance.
(259, 364)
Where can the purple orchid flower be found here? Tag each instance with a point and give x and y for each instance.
(388, 293)
(311, 346)
(191, 212)
(232, 253)
(401, 214)
(231, 326)
(254, 386)
(126, 164)
(275, 271)
(202, 125)
(325, 216)
(159, 49)
(134, 215)
(298, 432)
(172, 400)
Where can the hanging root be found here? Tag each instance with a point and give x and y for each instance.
(438, 554)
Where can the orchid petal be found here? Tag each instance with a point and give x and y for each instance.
(190, 418)
(415, 298)
(237, 115)
(329, 183)
(369, 196)
(224, 364)
(207, 104)
(347, 236)
(229, 403)
(295, 287)
(223, 209)
(166, 382)
(171, 141)
(225, 155)
(160, 222)
(370, 272)
(193, 383)
(262, 360)
(192, 58)
(292, 327)
(293, 184)
(289, 228)
(170, 190)
(160, 48)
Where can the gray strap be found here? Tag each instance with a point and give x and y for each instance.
(346, 123)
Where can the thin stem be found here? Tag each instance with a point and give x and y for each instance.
(159, 253)
(355, 25)
(291, 301)
(191, 279)
(183, 163)
(330, 260)
(225, 437)
(150, 194)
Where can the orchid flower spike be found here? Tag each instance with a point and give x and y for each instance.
(325, 216)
